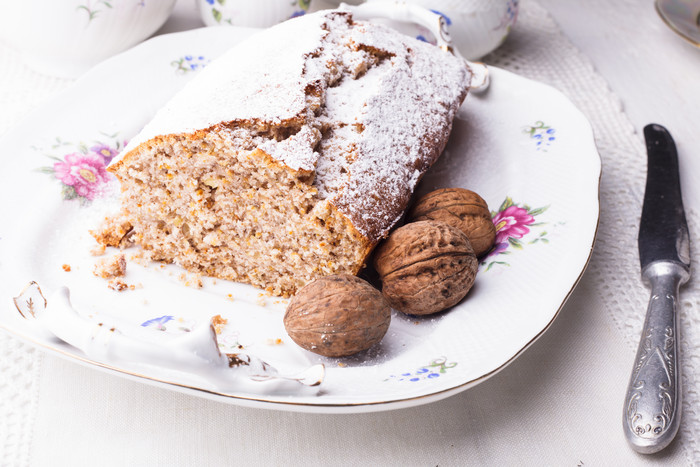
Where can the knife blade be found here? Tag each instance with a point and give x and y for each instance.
(653, 401)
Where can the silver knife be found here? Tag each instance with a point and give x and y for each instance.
(652, 410)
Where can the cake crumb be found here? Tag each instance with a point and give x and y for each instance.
(140, 257)
(114, 231)
(191, 280)
(109, 268)
(277, 341)
(218, 322)
(66, 267)
(98, 250)
(341, 365)
(118, 285)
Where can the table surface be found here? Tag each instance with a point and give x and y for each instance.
(655, 74)
(654, 71)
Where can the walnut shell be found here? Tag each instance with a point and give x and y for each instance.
(460, 208)
(337, 316)
(425, 267)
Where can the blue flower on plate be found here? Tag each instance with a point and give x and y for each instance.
(188, 63)
(542, 134)
(433, 370)
(158, 323)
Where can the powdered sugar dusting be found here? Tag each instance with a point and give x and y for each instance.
(404, 105)
(366, 108)
(261, 79)
(300, 145)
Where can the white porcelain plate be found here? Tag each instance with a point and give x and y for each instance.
(522, 145)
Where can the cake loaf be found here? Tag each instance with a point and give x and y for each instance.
(292, 155)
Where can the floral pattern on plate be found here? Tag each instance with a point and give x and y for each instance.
(432, 370)
(82, 168)
(189, 63)
(228, 340)
(169, 323)
(513, 222)
(542, 134)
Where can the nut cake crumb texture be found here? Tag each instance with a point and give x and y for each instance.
(114, 231)
(118, 285)
(292, 155)
(108, 268)
(218, 322)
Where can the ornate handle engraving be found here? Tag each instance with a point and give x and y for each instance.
(662, 364)
(651, 415)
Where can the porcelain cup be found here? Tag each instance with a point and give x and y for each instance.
(66, 37)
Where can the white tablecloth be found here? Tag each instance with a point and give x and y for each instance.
(560, 403)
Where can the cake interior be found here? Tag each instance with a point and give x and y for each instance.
(216, 204)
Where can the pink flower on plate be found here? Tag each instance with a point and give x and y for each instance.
(84, 172)
(105, 151)
(512, 223)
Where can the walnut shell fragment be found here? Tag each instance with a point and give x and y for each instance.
(460, 208)
(425, 267)
(337, 316)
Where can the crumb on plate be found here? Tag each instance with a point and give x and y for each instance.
(218, 322)
(118, 285)
(98, 250)
(109, 268)
(114, 231)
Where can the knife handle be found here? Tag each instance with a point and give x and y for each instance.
(653, 402)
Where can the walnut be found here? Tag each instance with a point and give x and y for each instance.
(460, 208)
(425, 267)
(337, 316)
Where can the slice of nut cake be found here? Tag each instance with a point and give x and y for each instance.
(293, 154)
